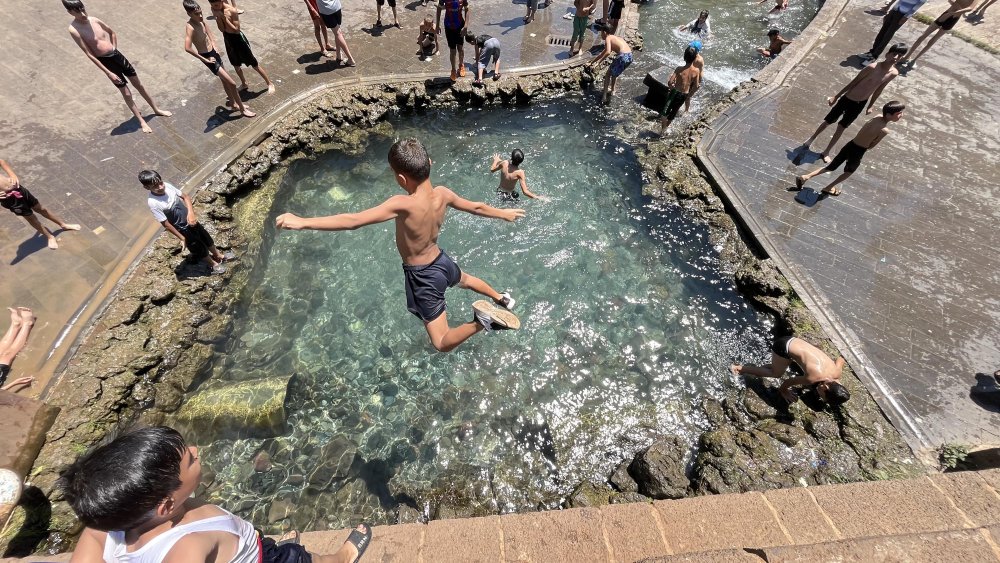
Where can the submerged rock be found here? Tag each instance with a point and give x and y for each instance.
(247, 409)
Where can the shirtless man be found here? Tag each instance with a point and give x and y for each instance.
(100, 43)
(943, 24)
(871, 134)
(682, 85)
(821, 372)
(867, 86)
(198, 41)
(511, 175)
(427, 270)
(584, 8)
(622, 60)
(237, 44)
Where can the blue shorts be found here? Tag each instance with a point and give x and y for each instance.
(620, 63)
(426, 284)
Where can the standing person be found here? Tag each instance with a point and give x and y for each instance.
(871, 134)
(614, 15)
(319, 29)
(622, 60)
(867, 86)
(682, 85)
(237, 44)
(175, 211)
(200, 44)
(777, 43)
(100, 43)
(333, 15)
(943, 24)
(980, 12)
(21, 322)
(427, 39)
(20, 202)
(428, 270)
(891, 22)
(487, 52)
(511, 175)
(822, 373)
(581, 20)
(378, 13)
(532, 8)
(456, 18)
(700, 26)
(699, 62)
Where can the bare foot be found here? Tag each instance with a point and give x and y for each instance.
(270, 88)
(27, 315)
(15, 316)
(17, 384)
(145, 129)
(736, 369)
(247, 113)
(163, 112)
(244, 86)
(330, 47)
(70, 227)
(53, 244)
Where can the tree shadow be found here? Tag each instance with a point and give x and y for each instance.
(35, 528)
(32, 245)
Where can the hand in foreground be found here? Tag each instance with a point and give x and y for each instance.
(788, 395)
(511, 214)
(290, 221)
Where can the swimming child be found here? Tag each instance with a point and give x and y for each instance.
(427, 270)
(622, 60)
(511, 175)
(487, 52)
(427, 39)
(21, 202)
(700, 26)
(198, 41)
(777, 44)
(779, 6)
(682, 85)
(237, 44)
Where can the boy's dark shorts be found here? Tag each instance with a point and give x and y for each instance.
(271, 552)
(117, 64)
(197, 240)
(675, 100)
(213, 55)
(392, 3)
(947, 24)
(20, 206)
(851, 153)
(426, 284)
(238, 50)
(454, 37)
(780, 346)
(333, 20)
(4, 372)
(615, 10)
(849, 108)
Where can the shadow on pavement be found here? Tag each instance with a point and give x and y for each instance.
(221, 116)
(508, 25)
(31, 246)
(986, 392)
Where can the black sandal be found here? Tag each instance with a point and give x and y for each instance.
(360, 540)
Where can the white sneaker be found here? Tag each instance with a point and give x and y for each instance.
(507, 301)
(493, 317)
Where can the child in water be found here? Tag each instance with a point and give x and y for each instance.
(511, 175)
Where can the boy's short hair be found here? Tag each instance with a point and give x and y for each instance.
(773, 32)
(409, 158)
(190, 6)
(470, 37)
(603, 27)
(690, 54)
(118, 485)
(900, 48)
(837, 394)
(73, 5)
(517, 156)
(150, 178)
(892, 107)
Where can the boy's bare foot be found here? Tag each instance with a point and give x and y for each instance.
(17, 384)
(247, 113)
(736, 369)
(27, 315)
(163, 112)
(52, 243)
(145, 129)
(15, 316)
(244, 86)
(834, 191)
(270, 88)
(70, 227)
(330, 47)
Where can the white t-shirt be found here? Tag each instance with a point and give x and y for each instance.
(328, 6)
(160, 203)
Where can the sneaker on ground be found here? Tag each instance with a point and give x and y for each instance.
(494, 317)
(506, 301)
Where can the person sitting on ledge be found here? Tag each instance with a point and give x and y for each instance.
(822, 373)
(134, 497)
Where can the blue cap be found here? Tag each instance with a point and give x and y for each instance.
(696, 44)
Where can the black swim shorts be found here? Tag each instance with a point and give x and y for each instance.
(333, 20)
(4, 372)
(20, 202)
(197, 240)
(392, 3)
(117, 64)
(615, 10)
(271, 552)
(947, 24)
(426, 284)
(851, 153)
(675, 100)
(780, 346)
(213, 55)
(238, 48)
(454, 37)
(846, 107)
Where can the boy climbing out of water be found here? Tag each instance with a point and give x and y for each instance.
(427, 270)
(100, 43)
(200, 44)
(871, 134)
(487, 53)
(511, 175)
(134, 495)
(237, 44)
(581, 20)
(867, 86)
(21, 202)
(682, 85)
(822, 373)
(777, 43)
(622, 60)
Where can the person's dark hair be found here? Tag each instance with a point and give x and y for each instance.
(703, 15)
(409, 158)
(516, 156)
(690, 54)
(773, 32)
(150, 178)
(837, 394)
(71, 5)
(602, 27)
(900, 48)
(190, 6)
(470, 37)
(118, 485)
(892, 107)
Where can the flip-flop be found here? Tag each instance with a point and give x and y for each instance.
(294, 539)
(360, 540)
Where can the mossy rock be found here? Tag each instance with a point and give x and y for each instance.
(247, 409)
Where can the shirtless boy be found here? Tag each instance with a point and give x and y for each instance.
(584, 8)
(20, 202)
(319, 29)
(100, 43)
(198, 41)
(867, 86)
(427, 270)
(237, 44)
(622, 60)
(682, 84)
(821, 372)
(427, 39)
(871, 134)
(511, 175)
(943, 24)
(777, 43)
(779, 6)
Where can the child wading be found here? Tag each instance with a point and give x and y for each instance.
(427, 270)
(511, 175)
(682, 84)
(200, 44)
(777, 43)
(20, 202)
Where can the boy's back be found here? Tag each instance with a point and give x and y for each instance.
(685, 77)
(419, 223)
(872, 132)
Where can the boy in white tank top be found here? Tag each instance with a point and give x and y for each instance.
(134, 496)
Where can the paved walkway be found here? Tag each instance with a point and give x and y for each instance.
(904, 265)
(70, 138)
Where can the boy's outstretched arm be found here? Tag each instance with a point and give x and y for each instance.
(388, 209)
(497, 163)
(524, 187)
(480, 208)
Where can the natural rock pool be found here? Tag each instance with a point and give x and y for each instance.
(627, 323)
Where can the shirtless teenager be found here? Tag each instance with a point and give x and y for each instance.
(622, 60)
(821, 371)
(237, 44)
(867, 86)
(198, 41)
(100, 43)
(682, 85)
(511, 175)
(427, 270)
(871, 134)
(775, 46)
(943, 24)
(584, 9)
(21, 202)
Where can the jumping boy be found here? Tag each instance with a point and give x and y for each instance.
(777, 43)
(581, 21)
(622, 60)
(133, 494)
(682, 84)
(867, 86)
(456, 18)
(21, 322)
(237, 44)
(871, 134)
(100, 43)
(175, 211)
(427, 270)
(943, 24)
(487, 52)
(200, 44)
(20, 202)
(511, 175)
(427, 39)
(319, 29)
(821, 372)
(378, 13)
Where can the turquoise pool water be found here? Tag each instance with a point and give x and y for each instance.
(627, 324)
